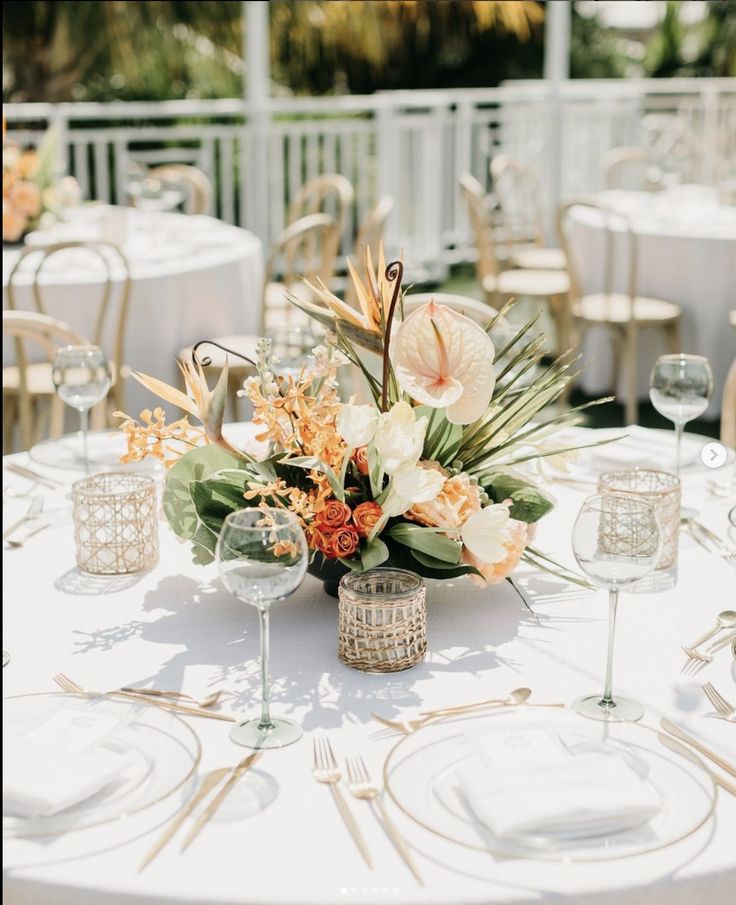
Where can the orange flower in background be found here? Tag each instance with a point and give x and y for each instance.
(334, 514)
(360, 457)
(344, 541)
(366, 516)
(14, 222)
(26, 198)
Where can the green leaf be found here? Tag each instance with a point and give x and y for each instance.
(436, 568)
(312, 463)
(443, 438)
(529, 503)
(374, 553)
(426, 540)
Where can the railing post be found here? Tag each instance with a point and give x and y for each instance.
(463, 164)
(57, 120)
(256, 51)
(388, 171)
(556, 72)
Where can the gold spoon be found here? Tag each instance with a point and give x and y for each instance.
(517, 696)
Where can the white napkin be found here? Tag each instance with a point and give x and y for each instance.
(39, 782)
(586, 795)
(638, 447)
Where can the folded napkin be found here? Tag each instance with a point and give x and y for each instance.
(40, 782)
(590, 794)
(639, 447)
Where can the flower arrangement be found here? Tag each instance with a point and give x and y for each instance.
(30, 186)
(428, 476)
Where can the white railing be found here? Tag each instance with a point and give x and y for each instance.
(410, 145)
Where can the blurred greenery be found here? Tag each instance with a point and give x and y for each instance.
(57, 50)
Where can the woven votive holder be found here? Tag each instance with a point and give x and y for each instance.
(382, 620)
(115, 523)
(662, 490)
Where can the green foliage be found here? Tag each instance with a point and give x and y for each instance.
(528, 502)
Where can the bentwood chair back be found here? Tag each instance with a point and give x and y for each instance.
(520, 199)
(330, 194)
(630, 168)
(370, 235)
(196, 185)
(622, 312)
(21, 396)
(111, 264)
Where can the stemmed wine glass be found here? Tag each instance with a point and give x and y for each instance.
(82, 378)
(680, 388)
(616, 541)
(262, 557)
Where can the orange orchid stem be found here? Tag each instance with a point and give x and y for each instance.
(394, 272)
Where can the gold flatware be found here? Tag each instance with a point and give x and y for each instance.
(360, 785)
(34, 510)
(726, 619)
(235, 774)
(710, 541)
(517, 696)
(208, 784)
(19, 541)
(72, 687)
(31, 475)
(723, 708)
(325, 770)
(684, 751)
(207, 701)
(670, 727)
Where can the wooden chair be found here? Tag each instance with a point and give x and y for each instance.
(304, 249)
(21, 392)
(192, 180)
(630, 168)
(370, 235)
(101, 253)
(519, 198)
(330, 194)
(550, 286)
(728, 408)
(622, 313)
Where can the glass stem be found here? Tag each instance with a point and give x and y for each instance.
(607, 699)
(678, 434)
(265, 689)
(84, 424)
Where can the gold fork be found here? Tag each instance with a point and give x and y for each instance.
(360, 785)
(325, 770)
(72, 687)
(722, 707)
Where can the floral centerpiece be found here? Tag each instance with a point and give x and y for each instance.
(424, 477)
(31, 187)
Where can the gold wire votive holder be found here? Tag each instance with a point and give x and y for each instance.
(115, 523)
(382, 620)
(659, 488)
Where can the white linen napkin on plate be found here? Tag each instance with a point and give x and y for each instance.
(40, 782)
(590, 794)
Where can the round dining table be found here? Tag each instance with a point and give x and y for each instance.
(176, 627)
(193, 277)
(686, 254)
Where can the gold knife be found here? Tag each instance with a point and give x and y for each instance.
(682, 749)
(208, 784)
(235, 775)
(699, 746)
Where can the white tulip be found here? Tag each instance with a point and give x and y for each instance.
(411, 484)
(399, 437)
(486, 532)
(356, 424)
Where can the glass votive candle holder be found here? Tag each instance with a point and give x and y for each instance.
(115, 523)
(382, 620)
(662, 490)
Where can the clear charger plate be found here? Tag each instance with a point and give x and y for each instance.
(420, 775)
(104, 449)
(162, 753)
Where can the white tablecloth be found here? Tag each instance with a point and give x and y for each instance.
(687, 255)
(193, 277)
(176, 627)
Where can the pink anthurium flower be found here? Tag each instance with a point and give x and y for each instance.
(445, 360)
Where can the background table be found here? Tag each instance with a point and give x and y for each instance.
(687, 255)
(176, 627)
(193, 277)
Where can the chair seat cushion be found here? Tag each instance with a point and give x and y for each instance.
(543, 283)
(535, 258)
(616, 309)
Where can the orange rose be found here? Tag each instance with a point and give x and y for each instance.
(366, 516)
(321, 539)
(360, 457)
(344, 540)
(334, 514)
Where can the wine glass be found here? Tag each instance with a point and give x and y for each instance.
(616, 541)
(680, 388)
(82, 378)
(262, 557)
